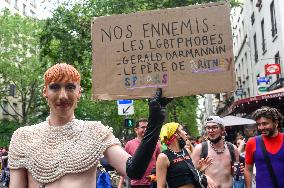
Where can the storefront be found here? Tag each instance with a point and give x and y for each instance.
(245, 107)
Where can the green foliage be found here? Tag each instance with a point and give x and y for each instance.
(183, 110)
(19, 61)
(6, 130)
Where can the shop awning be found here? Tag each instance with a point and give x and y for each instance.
(273, 98)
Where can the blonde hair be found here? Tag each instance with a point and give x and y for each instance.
(61, 72)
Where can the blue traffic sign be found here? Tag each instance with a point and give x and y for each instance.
(124, 102)
(239, 92)
(263, 79)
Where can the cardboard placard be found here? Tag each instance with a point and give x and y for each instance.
(185, 51)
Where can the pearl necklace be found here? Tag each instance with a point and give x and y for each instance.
(50, 152)
(220, 151)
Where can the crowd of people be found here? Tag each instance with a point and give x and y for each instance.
(64, 151)
(221, 158)
(5, 172)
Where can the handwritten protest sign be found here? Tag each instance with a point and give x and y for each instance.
(185, 51)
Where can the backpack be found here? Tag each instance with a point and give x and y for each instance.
(204, 151)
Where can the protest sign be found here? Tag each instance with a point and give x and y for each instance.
(185, 51)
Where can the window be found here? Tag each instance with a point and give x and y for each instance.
(277, 58)
(5, 108)
(33, 3)
(15, 108)
(32, 14)
(277, 61)
(273, 19)
(252, 18)
(16, 5)
(255, 49)
(12, 90)
(24, 9)
(257, 77)
(259, 4)
(263, 36)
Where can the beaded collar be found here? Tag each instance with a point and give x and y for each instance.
(50, 152)
(218, 151)
(182, 155)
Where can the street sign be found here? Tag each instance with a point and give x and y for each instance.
(125, 107)
(263, 79)
(239, 92)
(262, 89)
(272, 69)
(124, 102)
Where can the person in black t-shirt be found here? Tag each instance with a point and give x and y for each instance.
(174, 166)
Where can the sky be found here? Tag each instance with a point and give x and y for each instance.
(46, 7)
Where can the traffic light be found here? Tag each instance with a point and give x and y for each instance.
(128, 123)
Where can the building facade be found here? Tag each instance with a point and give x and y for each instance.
(22, 7)
(257, 28)
(258, 45)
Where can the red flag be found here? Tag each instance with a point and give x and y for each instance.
(272, 69)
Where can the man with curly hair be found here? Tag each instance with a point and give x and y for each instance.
(268, 146)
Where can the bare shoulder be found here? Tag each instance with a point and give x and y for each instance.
(163, 160)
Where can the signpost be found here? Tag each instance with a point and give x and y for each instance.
(125, 107)
(262, 89)
(239, 92)
(263, 80)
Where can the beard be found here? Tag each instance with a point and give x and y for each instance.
(215, 140)
(269, 132)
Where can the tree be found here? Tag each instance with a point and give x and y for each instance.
(67, 37)
(20, 68)
(6, 130)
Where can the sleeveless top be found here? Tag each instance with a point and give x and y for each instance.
(263, 178)
(178, 173)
